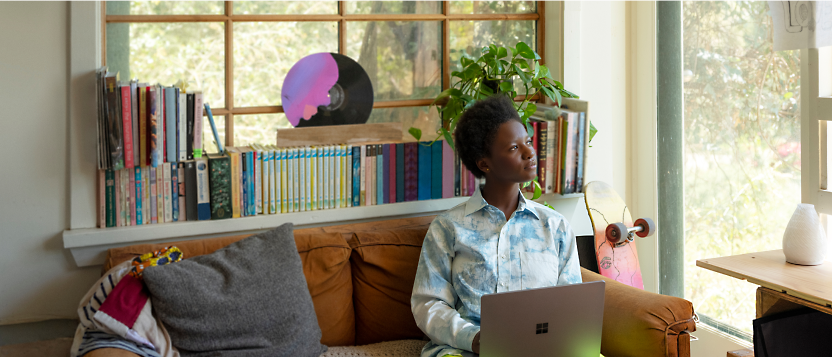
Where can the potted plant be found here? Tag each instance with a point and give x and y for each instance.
(497, 70)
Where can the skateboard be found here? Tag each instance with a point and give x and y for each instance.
(615, 247)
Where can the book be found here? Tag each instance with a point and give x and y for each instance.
(385, 173)
(307, 182)
(425, 165)
(213, 128)
(137, 181)
(198, 106)
(180, 170)
(235, 182)
(101, 198)
(379, 194)
(127, 125)
(190, 191)
(319, 177)
(160, 98)
(119, 206)
(363, 175)
(182, 125)
(155, 128)
(543, 176)
(142, 94)
(220, 185)
(115, 135)
(258, 177)
(244, 179)
(265, 181)
(447, 170)
(174, 190)
(284, 191)
(203, 191)
(134, 118)
(110, 197)
(161, 214)
(371, 174)
(400, 172)
(579, 166)
(272, 198)
(301, 181)
(130, 195)
(291, 176)
(168, 193)
(189, 127)
(436, 170)
(411, 171)
(170, 124)
(356, 176)
(391, 172)
(154, 207)
(571, 151)
(457, 171)
(348, 173)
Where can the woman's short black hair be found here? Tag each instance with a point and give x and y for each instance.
(477, 128)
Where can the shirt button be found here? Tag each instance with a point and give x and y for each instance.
(503, 256)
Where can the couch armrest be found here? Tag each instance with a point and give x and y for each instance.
(640, 323)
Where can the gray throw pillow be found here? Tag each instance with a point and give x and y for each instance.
(247, 299)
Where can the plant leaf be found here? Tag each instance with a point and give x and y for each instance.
(506, 87)
(502, 52)
(537, 191)
(592, 131)
(521, 74)
(416, 132)
(530, 109)
(449, 138)
(544, 72)
(526, 51)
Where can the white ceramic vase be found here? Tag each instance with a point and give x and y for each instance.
(804, 241)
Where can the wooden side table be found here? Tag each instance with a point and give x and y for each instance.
(783, 286)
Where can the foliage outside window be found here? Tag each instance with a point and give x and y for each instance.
(399, 43)
(742, 149)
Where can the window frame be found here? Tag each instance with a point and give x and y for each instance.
(816, 99)
(342, 17)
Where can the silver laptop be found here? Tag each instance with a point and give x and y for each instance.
(556, 321)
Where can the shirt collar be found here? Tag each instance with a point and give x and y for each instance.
(476, 203)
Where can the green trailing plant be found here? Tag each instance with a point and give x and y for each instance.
(515, 72)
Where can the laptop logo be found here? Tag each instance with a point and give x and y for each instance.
(542, 328)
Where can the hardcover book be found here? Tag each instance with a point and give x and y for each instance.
(127, 125)
(155, 129)
(190, 191)
(411, 171)
(356, 176)
(142, 93)
(220, 186)
(579, 170)
(363, 175)
(385, 172)
(543, 176)
(180, 177)
(319, 177)
(301, 181)
(348, 174)
(114, 124)
(447, 170)
(134, 117)
(379, 194)
(174, 190)
(436, 170)
(138, 195)
(170, 124)
(203, 192)
(399, 172)
(131, 195)
(182, 125)
(160, 194)
(168, 193)
(189, 116)
(154, 214)
(110, 191)
(425, 165)
(198, 106)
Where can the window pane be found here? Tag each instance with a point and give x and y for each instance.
(469, 37)
(167, 52)
(742, 148)
(493, 7)
(424, 118)
(285, 7)
(259, 128)
(208, 143)
(394, 7)
(265, 51)
(403, 59)
(165, 7)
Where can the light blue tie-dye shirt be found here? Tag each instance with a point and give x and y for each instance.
(471, 250)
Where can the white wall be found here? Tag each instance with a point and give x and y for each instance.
(38, 278)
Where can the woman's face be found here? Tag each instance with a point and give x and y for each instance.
(512, 158)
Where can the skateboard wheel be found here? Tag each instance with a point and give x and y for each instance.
(648, 227)
(617, 233)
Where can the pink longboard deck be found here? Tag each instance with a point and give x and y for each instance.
(605, 207)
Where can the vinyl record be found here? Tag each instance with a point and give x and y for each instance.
(327, 89)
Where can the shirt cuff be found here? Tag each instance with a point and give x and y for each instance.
(465, 338)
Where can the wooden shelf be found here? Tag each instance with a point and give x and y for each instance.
(89, 245)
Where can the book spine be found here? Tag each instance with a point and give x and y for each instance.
(325, 178)
(385, 173)
(198, 107)
(265, 182)
(160, 97)
(290, 177)
(130, 196)
(174, 190)
(137, 181)
(301, 181)
(190, 191)
(109, 177)
(411, 171)
(447, 170)
(220, 186)
(182, 125)
(258, 181)
(571, 152)
(355, 179)
(155, 129)
(235, 185)
(189, 115)
(160, 193)
(114, 124)
(457, 170)
(127, 125)
(272, 181)
(348, 174)
(579, 160)
(296, 179)
(337, 174)
(284, 182)
(168, 194)
(276, 181)
(319, 177)
(563, 137)
(392, 174)
(333, 154)
(244, 191)
(120, 198)
(170, 124)
(154, 206)
(142, 93)
(362, 176)
(307, 183)
(134, 117)
(424, 179)
(399, 172)
(180, 180)
(371, 174)
(101, 198)
(472, 183)
(543, 156)
(463, 179)
(436, 170)
(203, 191)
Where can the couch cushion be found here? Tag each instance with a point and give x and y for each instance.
(638, 323)
(383, 269)
(247, 298)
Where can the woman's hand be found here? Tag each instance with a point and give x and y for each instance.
(475, 346)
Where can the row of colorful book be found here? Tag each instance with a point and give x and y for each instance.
(261, 179)
(561, 143)
(141, 125)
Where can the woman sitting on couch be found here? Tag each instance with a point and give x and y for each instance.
(495, 242)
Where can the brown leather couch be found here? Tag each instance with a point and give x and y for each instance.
(360, 277)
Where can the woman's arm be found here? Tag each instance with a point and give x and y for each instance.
(434, 297)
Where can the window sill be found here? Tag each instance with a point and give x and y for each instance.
(89, 245)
